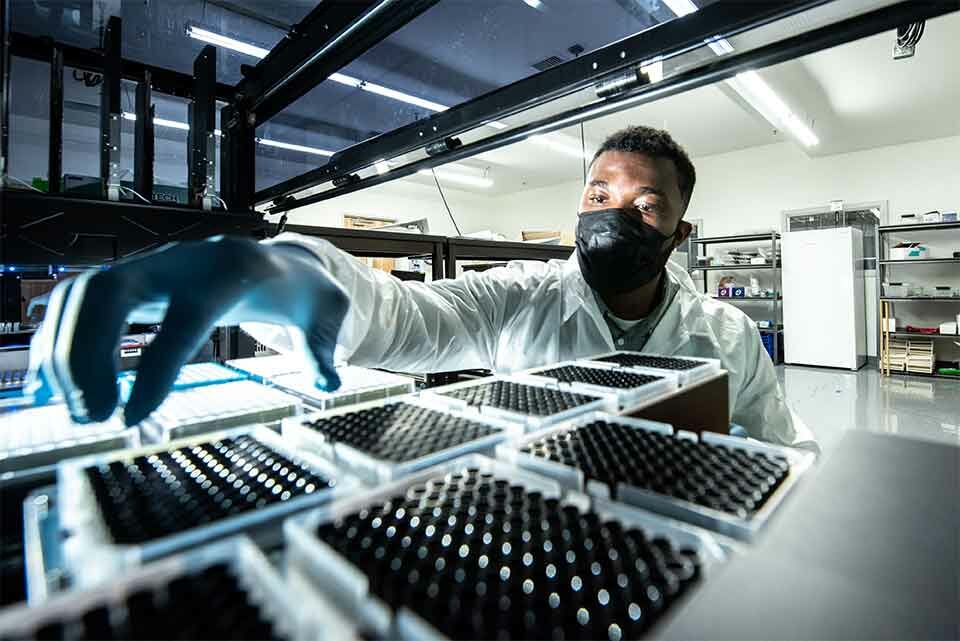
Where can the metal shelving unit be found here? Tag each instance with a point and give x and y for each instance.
(773, 266)
(921, 261)
(884, 303)
(477, 249)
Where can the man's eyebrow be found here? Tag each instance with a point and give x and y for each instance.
(596, 182)
(652, 190)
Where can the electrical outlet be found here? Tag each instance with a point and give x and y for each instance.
(903, 52)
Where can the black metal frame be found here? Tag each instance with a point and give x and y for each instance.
(110, 111)
(4, 84)
(670, 38)
(47, 229)
(384, 244)
(477, 249)
(334, 34)
(164, 81)
(143, 139)
(330, 37)
(201, 147)
(55, 151)
(237, 157)
(848, 30)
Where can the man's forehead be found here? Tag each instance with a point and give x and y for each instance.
(631, 167)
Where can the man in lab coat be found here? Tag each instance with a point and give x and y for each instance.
(618, 291)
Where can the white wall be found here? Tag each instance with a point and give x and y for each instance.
(404, 201)
(748, 190)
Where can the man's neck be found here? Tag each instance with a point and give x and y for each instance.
(637, 303)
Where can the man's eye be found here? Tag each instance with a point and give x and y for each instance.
(596, 198)
(646, 207)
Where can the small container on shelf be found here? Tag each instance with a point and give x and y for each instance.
(895, 290)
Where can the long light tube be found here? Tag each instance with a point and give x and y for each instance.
(266, 142)
(462, 179)
(544, 140)
(765, 100)
(182, 126)
(226, 42)
(259, 52)
(751, 86)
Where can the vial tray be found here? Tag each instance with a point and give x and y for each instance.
(265, 368)
(357, 385)
(723, 483)
(205, 409)
(687, 370)
(190, 376)
(35, 437)
(226, 590)
(476, 549)
(380, 441)
(12, 379)
(630, 388)
(126, 508)
(530, 402)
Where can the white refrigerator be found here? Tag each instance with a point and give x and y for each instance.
(824, 317)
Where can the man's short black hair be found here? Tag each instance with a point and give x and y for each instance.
(655, 143)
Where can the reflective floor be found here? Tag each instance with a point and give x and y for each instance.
(834, 401)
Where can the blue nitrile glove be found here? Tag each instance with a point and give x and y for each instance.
(192, 287)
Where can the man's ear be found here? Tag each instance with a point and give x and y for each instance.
(683, 230)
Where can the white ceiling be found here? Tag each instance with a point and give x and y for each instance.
(854, 96)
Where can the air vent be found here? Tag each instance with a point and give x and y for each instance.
(546, 63)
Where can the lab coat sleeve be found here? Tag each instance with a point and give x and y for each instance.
(409, 326)
(760, 406)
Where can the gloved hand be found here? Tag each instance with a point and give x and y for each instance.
(192, 287)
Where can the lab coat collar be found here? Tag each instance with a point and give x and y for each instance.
(578, 296)
(671, 333)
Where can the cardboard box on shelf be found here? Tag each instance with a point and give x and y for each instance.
(909, 251)
(539, 235)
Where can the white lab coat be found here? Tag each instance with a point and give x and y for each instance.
(532, 313)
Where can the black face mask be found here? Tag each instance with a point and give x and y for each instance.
(618, 252)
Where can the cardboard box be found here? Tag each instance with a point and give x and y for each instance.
(949, 329)
(909, 251)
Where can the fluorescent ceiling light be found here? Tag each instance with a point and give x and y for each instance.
(536, 4)
(292, 147)
(545, 140)
(228, 43)
(182, 126)
(350, 81)
(387, 92)
(163, 122)
(752, 87)
(463, 179)
(496, 125)
(765, 100)
(382, 166)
